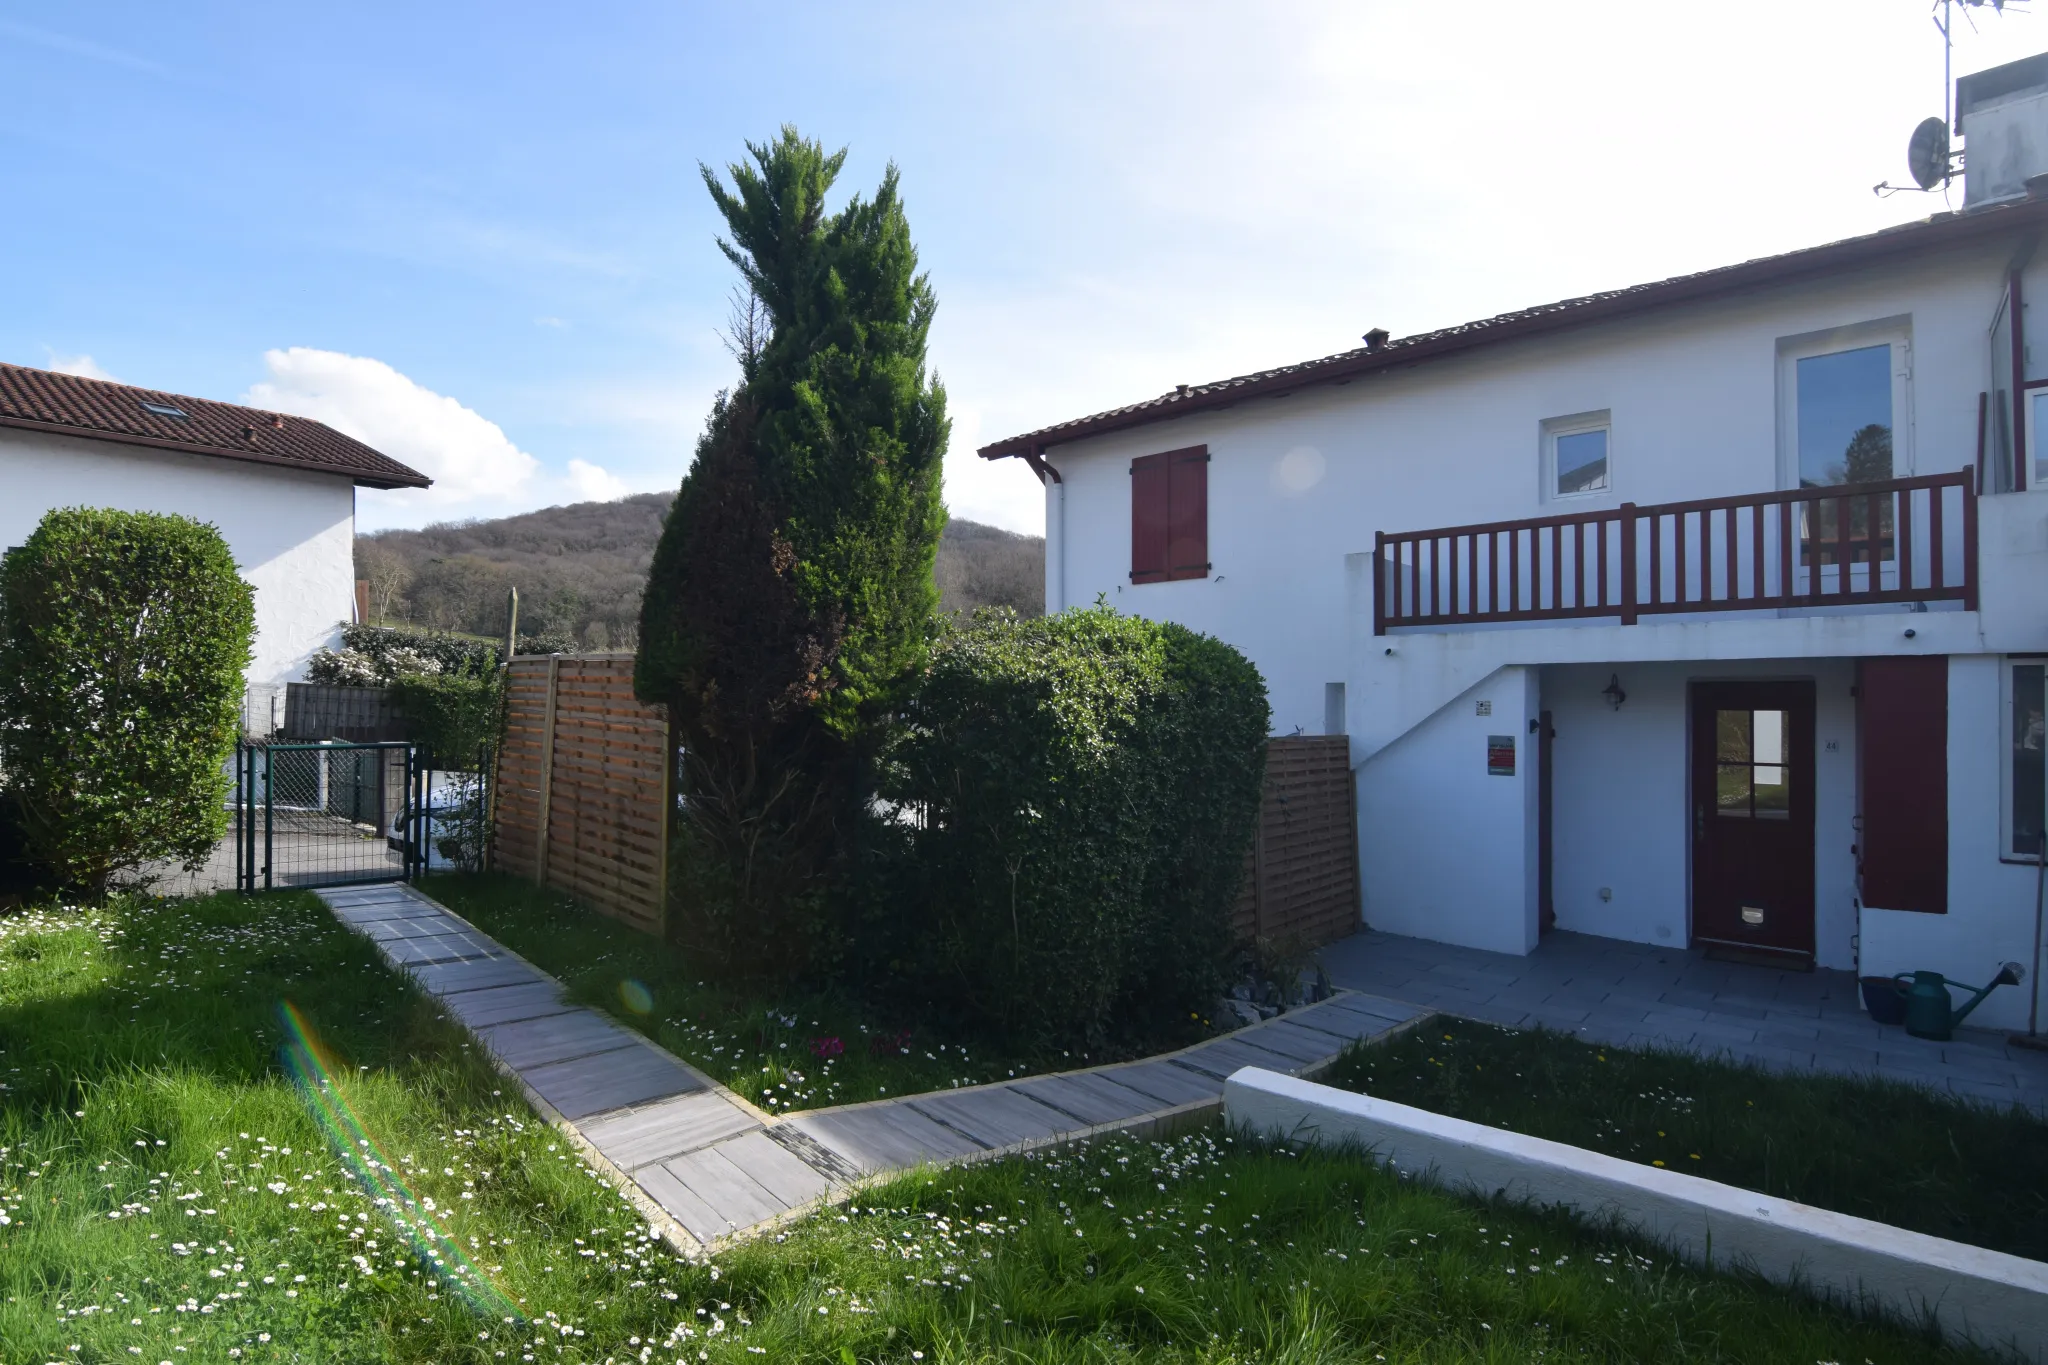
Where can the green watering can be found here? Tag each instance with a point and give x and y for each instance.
(1929, 1011)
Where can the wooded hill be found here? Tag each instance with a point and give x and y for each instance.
(580, 570)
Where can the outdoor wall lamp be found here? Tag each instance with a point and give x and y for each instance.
(1615, 696)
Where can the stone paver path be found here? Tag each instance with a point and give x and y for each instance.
(718, 1167)
(1636, 995)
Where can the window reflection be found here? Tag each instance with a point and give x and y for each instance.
(1752, 781)
(1845, 437)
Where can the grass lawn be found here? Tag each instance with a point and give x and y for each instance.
(799, 1052)
(1875, 1149)
(170, 1195)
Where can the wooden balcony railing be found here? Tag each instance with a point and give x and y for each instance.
(1899, 540)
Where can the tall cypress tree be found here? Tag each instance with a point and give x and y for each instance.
(789, 600)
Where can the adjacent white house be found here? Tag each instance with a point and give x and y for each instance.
(1710, 612)
(280, 488)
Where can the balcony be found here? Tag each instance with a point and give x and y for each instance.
(1898, 541)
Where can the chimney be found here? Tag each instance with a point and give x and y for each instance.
(2002, 115)
(1376, 338)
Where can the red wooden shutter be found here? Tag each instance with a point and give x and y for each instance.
(1187, 542)
(1149, 518)
(1902, 759)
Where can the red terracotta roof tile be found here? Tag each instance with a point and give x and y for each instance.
(97, 409)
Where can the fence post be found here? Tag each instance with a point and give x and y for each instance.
(1969, 543)
(269, 815)
(1628, 564)
(1379, 586)
(547, 770)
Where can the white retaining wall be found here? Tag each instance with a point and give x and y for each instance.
(1976, 1295)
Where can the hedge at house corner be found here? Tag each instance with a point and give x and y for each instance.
(123, 636)
(1089, 783)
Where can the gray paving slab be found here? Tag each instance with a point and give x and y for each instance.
(656, 1132)
(735, 1197)
(629, 1076)
(994, 1116)
(1305, 1045)
(1231, 1053)
(449, 978)
(504, 1004)
(529, 1043)
(1172, 1085)
(1379, 1006)
(698, 1218)
(881, 1137)
(1087, 1096)
(786, 1177)
(423, 925)
(1344, 1024)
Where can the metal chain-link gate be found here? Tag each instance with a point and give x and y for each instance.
(328, 813)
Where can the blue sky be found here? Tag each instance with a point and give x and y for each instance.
(475, 235)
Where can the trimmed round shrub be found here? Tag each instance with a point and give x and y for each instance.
(1073, 803)
(123, 636)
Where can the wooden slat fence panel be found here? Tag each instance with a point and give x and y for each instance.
(1301, 878)
(583, 785)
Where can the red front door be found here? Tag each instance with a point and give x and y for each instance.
(1752, 816)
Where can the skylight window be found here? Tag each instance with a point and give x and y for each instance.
(166, 410)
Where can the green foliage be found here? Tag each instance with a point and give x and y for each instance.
(1080, 791)
(377, 656)
(790, 597)
(456, 716)
(1932, 1163)
(123, 636)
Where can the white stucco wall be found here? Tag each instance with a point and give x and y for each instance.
(1299, 482)
(292, 533)
(1621, 798)
(1990, 915)
(1447, 850)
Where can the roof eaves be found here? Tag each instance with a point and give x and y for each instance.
(362, 477)
(1942, 230)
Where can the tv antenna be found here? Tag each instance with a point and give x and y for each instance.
(1930, 160)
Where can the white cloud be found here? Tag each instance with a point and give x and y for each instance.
(84, 366)
(477, 470)
(593, 483)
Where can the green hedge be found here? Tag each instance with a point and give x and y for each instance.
(456, 717)
(123, 636)
(1074, 799)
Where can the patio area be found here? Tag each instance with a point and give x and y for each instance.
(1636, 995)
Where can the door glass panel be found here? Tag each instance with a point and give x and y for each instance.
(2037, 432)
(1731, 731)
(1769, 729)
(1752, 780)
(1845, 437)
(2029, 795)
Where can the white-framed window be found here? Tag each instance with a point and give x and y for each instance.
(2034, 410)
(1578, 455)
(2023, 783)
(1845, 405)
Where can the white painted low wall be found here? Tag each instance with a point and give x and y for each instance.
(1976, 1295)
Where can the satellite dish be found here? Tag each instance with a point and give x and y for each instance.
(1927, 153)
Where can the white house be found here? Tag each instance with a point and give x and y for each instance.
(280, 488)
(1711, 612)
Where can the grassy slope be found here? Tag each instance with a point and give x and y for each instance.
(765, 1050)
(156, 1026)
(1895, 1153)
